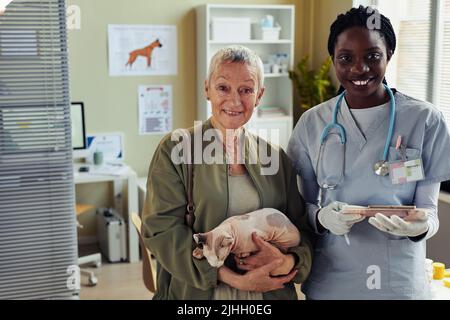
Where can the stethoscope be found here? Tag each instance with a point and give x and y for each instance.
(381, 167)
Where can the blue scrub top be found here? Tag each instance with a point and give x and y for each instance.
(342, 271)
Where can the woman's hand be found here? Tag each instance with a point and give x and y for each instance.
(399, 227)
(266, 254)
(258, 279)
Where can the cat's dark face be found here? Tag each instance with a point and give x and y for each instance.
(216, 246)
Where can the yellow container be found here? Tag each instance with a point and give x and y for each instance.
(438, 271)
(447, 273)
(447, 283)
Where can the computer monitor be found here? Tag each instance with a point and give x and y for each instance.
(78, 130)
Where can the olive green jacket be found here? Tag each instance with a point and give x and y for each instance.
(179, 275)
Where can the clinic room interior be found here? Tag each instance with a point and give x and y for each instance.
(131, 72)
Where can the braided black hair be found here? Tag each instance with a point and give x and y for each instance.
(362, 17)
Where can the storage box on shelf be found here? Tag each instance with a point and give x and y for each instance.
(274, 45)
(266, 33)
(230, 29)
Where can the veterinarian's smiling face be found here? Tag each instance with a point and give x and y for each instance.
(234, 93)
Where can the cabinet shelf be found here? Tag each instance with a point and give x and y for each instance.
(258, 118)
(281, 41)
(278, 87)
(276, 75)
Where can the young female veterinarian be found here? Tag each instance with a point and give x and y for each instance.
(370, 145)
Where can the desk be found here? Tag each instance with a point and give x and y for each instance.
(123, 173)
(439, 291)
(82, 208)
(437, 246)
(444, 196)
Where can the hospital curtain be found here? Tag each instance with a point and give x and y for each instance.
(38, 247)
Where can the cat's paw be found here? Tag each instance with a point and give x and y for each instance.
(198, 253)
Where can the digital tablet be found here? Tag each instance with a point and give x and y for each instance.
(408, 213)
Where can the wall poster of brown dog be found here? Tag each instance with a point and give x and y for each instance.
(146, 52)
(142, 49)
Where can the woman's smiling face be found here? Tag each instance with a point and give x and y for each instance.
(360, 59)
(234, 93)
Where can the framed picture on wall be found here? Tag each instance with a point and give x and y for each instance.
(110, 144)
(136, 50)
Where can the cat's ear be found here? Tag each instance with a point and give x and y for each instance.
(227, 241)
(200, 238)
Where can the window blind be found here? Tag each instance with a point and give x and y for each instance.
(413, 51)
(443, 99)
(423, 35)
(37, 220)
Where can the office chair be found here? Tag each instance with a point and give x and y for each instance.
(148, 266)
(93, 259)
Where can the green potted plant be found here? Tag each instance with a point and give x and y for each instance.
(312, 87)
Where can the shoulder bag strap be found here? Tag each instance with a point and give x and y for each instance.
(190, 208)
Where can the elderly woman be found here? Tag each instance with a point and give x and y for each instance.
(222, 189)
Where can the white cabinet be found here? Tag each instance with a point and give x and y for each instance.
(278, 94)
(273, 129)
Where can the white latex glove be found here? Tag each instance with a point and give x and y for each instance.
(331, 218)
(399, 227)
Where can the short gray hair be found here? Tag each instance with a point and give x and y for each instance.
(237, 54)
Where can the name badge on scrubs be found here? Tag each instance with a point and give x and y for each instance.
(406, 171)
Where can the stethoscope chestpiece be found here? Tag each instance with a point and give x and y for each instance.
(381, 168)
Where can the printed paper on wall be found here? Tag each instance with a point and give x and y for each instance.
(155, 109)
(136, 50)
